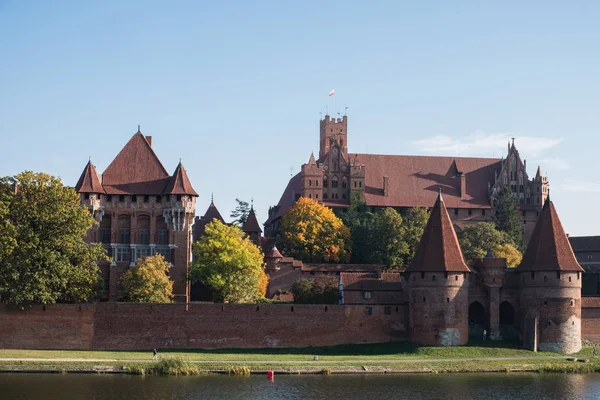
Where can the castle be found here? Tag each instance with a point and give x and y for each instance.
(468, 184)
(439, 300)
(141, 210)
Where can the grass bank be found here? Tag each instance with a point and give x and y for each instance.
(378, 351)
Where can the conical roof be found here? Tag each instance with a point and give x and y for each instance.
(135, 170)
(180, 183)
(549, 248)
(274, 253)
(311, 160)
(439, 250)
(212, 213)
(251, 224)
(89, 182)
(538, 174)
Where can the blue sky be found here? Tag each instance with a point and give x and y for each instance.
(235, 88)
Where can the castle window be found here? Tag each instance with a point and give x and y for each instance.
(521, 188)
(424, 299)
(558, 275)
(325, 183)
(360, 184)
(455, 277)
(532, 275)
(589, 258)
(334, 183)
(355, 183)
(571, 302)
(344, 184)
(309, 182)
(422, 275)
(178, 197)
(124, 235)
(344, 196)
(545, 303)
(87, 196)
(524, 213)
(109, 197)
(368, 310)
(433, 277)
(144, 236)
(456, 211)
(470, 211)
(569, 279)
(121, 198)
(162, 236)
(325, 197)
(483, 213)
(316, 182)
(545, 279)
(158, 199)
(367, 295)
(447, 299)
(146, 199)
(446, 275)
(134, 198)
(317, 196)
(105, 235)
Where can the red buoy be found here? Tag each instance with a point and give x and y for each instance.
(270, 375)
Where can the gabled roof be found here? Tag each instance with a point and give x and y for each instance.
(439, 250)
(135, 170)
(180, 183)
(212, 213)
(585, 243)
(89, 182)
(251, 224)
(549, 248)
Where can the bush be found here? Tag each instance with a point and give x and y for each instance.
(238, 370)
(322, 290)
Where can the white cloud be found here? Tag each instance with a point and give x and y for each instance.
(552, 163)
(483, 144)
(580, 187)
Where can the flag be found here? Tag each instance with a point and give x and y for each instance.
(331, 93)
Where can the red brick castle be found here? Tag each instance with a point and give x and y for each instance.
(141, 210)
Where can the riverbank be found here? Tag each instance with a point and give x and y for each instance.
(398, 357)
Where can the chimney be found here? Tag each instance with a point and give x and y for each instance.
(149, 140)
(463, 186)
(386, 186)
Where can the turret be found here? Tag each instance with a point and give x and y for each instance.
(550, 288)
(437, 285)
(252, 228)
(333, 128)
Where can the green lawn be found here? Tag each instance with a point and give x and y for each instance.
(380, 351)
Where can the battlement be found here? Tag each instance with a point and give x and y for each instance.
(328, 120)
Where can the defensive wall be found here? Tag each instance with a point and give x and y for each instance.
(123, 326)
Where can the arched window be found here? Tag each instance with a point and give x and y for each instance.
(344, 183)
(334, 182)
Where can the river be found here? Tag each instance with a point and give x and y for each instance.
(423, 386)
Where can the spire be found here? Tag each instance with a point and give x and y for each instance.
(438, 249)
(89, 182)
(212, 212)
(538, 174)
(549, 248)
(251, 225)
(212, 199)
(139, 131)
(311, 160)
(180, 183)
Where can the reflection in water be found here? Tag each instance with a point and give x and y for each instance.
(444, 386)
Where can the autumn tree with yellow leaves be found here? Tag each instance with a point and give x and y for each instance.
(148, 281)
(311, 232)
(510, 252)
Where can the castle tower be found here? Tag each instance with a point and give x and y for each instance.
(311, 183)
(252, 228)
(336, 129)
(437, 285)
(550, 288)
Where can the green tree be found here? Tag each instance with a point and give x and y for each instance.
(388, 241)
(414, 224)
(230, 264)
(359, 220)
(476, 240)
(240, 212)
(43, 257)
(311, 232)
(322, 290)
(506, 209)
(148, 281)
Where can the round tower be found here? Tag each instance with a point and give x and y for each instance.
(550, 288)
(437, 285)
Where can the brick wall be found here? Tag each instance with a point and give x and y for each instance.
(590, 318)
(122, 326)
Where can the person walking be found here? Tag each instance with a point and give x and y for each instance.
(594, 351)
(154, 356)
(484, 334)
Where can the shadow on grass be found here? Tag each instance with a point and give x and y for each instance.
(376, 349)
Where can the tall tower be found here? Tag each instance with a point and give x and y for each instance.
(311, 184)
(437, 285)
(337, 129)
(550, 286)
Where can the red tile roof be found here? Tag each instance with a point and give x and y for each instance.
(251, 224)
(89, 182)
(274, 253)
(414, 181)
(136, 170)
(212, 213)
(180, 183)
(288, 297)
(438, 249)
(549, 248)
(370, 281)
(324, 267)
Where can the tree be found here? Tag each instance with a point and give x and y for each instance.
(148, 281)
(508, 251)
(506, 216)
(414, 224)
(311, 232)
(230, 264)
(240, 212)
(388, 244)
(359, 220)
(322, 290)
(476, 240)
(43, 257)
